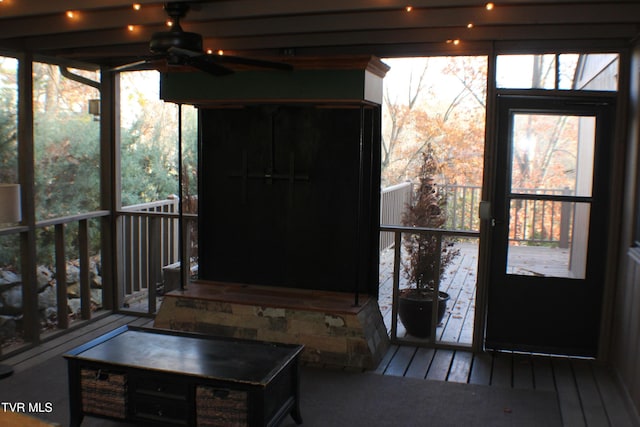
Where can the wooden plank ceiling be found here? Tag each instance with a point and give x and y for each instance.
(99, 34)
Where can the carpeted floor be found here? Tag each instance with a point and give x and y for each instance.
(330, 398)
(333, 399)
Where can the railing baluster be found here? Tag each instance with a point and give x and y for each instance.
(85, 286)
(127, 255)
(61, 278)
(154, 261)
(396, 284)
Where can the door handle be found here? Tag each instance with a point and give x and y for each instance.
(484, 212)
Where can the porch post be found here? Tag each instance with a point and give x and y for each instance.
(26, 175)
(111, 232)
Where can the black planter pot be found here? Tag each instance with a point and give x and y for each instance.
(415, 308)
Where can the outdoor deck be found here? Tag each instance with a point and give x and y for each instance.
(459, 281)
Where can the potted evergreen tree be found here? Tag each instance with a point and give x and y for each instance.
(426, 256)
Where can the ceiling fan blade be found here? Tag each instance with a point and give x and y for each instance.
(202, 63)
(178, 51)
(253, 62)
(197, 60)
(132, 66)
(147, 63)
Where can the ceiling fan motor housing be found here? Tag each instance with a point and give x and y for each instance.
(162, 41)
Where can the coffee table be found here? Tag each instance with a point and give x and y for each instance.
(169, 378)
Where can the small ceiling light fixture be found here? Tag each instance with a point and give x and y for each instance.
(209, 51)
(220, 52)
(169, 23)
(470, 25)
(131, 27)
(454, 42)
(490, 6)
(408, 8)
(137, 6)
(70, 14)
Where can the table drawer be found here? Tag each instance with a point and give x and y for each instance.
(104, 392)
(217, 407)
(160, 387)
(167, 411)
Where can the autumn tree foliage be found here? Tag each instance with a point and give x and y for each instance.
(438, 102)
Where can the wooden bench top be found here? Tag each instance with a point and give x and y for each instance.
(271, 296)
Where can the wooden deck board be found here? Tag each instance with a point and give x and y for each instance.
(386, 359)
(522, 372)
(420, 363)
(543, 373)
(458, 305)
(502, 370)
(481, 369)
(612, 397)
(568, 397)
(398, 366)
(592, 405)
(460, 367)
(440, 365)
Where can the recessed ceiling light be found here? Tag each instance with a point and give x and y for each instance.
(131, 27)
(220, 52)
(470, 25)
(136, 6)
(169, 23)
(408, 8)
(70, 14)
(489, 6)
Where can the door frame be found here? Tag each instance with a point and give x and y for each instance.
(491, 174)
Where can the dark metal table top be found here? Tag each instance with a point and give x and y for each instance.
(199, 355)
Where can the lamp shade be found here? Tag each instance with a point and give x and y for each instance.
(10, 203)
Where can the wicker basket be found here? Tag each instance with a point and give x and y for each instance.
(217, 407)
(103, 393)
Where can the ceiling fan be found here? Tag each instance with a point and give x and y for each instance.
(177, 47)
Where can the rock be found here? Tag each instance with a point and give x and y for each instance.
(96, 282)
(73, 290)
(73, 273)
(47, 298)
(9, 277)
(44, 276)
(50, 314)
(11, 300)
(94, 266)
(96, 297)
(74, 305)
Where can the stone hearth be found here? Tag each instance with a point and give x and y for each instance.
(333, 330)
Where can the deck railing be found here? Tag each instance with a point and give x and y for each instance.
(149, 245)
(393, 203)
(535, 222)
(441, 237)
(150, 233)
(58, 242)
